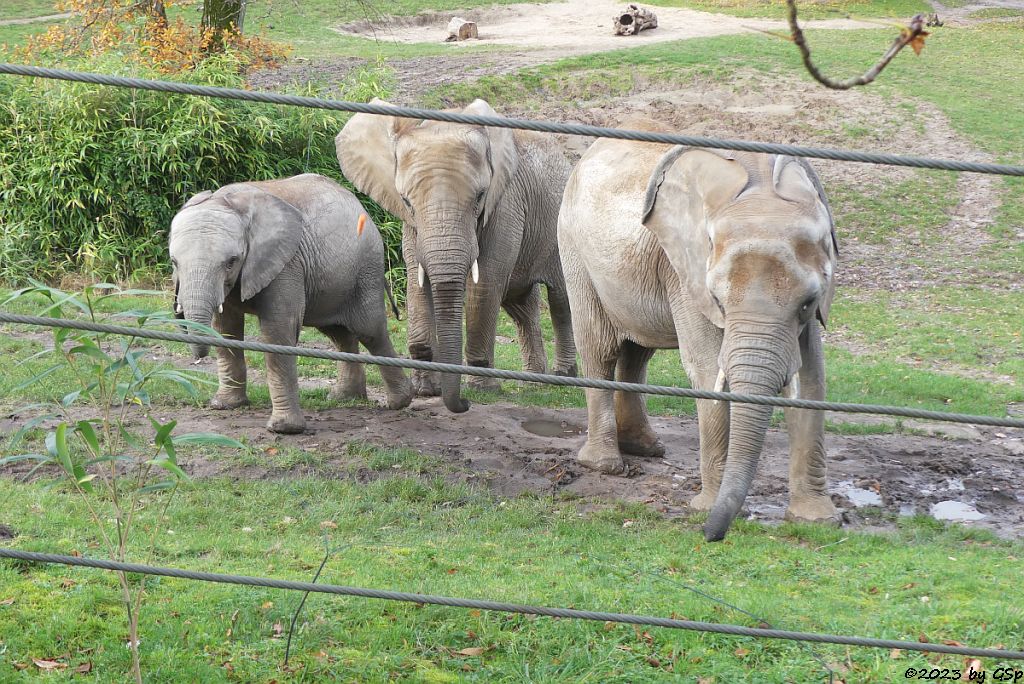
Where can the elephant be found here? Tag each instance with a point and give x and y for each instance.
(730, 258)
(479, 208)
(295, 252)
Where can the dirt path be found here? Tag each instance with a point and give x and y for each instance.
(574, 27)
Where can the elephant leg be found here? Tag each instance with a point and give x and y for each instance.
(422, 339)
(482, 304)
(398, 388)
(699, 345)
(635, 434)
(808, 497)
(282, 377)
(525, 313)
(561, 321)
(231, 372)
(351, 382)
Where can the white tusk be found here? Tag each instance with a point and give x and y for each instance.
(476, 272)
(179, 309)
(719, 383)
(420, 275)
(792, 390)
(220, 309)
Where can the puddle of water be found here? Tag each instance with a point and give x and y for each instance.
(955, 510)
(858, 496)
(907, 510)
(552, 428)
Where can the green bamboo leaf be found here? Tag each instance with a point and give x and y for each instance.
(25, 457)
(39, 376)
(85, 430)
(167, 484)
(170, 467)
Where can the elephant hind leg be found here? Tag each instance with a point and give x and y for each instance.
(397, 386)
(525, 313)
(561, 320)
(634, 430)
(351, 382)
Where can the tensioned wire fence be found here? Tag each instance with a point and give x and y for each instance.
(547, 127)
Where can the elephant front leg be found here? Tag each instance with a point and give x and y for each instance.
(422, 339)
(283, 379)
(525, 313)
(231, 371)
(351, 382)
(561, 321)
(808, 495)
(634, 429)
(483, 300)
(399, 389)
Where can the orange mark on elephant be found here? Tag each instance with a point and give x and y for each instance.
(361, 224)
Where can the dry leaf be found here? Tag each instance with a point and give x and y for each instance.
(84, 668)
(922, 638)
(653, 662)
(740, 652)
(705, 680)
(910, 585)
(20, 666)
(7, 602)
(68, 583)
(48, 664)
(267, 606)
(918, 42)
(329, 524)
(872, 590)
(75, 553)
(895, 653)
(474, 613)
(471, 652)
(950, 642)
(452, 571)
(608, 626)
(278, 630)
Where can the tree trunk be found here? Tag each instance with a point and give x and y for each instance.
(222, 15)
(634, 20)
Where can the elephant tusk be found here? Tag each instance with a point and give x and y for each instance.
(178, 308)
(476, 272)
(220, 309)
(420, 275)
(719, 383)
(792, 390)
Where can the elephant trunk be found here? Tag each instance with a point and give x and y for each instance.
(200, 292)
(447, 261)
(756, 362)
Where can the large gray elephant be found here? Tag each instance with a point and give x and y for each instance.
(480, 208)
(289, 251)
(728, 256)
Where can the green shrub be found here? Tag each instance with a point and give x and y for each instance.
(92, 175)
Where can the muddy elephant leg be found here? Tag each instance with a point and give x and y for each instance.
(231, 372)
(635, 434)
(351, 382)
(699, 345)
(482, 304)
(561, 321)
(421, 332)
(397, 387)
(283, 377)
(525, 313)
(808, 496)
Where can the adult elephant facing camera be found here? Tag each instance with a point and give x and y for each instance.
(730, 258)
(480, 208)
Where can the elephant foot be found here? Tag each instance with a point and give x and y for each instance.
(645, 444)
(225, 402)
(818, 509)
(703, 501)
(484, 384)
(287, 424)
(570, 372)
(426, 383)
(400, 397)
(602, 459)
(345, 392)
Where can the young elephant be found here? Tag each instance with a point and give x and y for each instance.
(728, 257)
(290, 252)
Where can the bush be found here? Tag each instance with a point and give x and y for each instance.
(91, 175)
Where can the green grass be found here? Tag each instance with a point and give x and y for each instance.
(813, 9)
(23, 9)
(997, 13)
(421, 534)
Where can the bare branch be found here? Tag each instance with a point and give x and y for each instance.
(912, 35)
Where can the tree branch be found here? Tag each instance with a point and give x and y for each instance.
(912, 35)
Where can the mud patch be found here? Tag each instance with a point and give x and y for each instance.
(7, 532)
(496, 446)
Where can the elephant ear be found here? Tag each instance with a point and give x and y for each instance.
(273, 229)
(366, 154)
(501, 155)
(796, 179)
(687, 187)
(198, 199)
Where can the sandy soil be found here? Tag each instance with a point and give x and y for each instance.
(572, 27)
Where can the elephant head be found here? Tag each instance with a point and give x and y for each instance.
(239, 236)
(752, 241)
(446, 181)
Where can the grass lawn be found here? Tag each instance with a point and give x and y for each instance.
(23, 9)
(813, 9)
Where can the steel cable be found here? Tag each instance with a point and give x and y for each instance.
(510, 375)
(570, 613)
(502, 122)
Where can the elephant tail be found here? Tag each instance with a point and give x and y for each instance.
(391, 298)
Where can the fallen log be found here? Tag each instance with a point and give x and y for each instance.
(633, 20)
(460, 29)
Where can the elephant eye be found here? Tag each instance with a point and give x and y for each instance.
(406, 202)
(479, 198)
(232, 261)
(718, 304)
